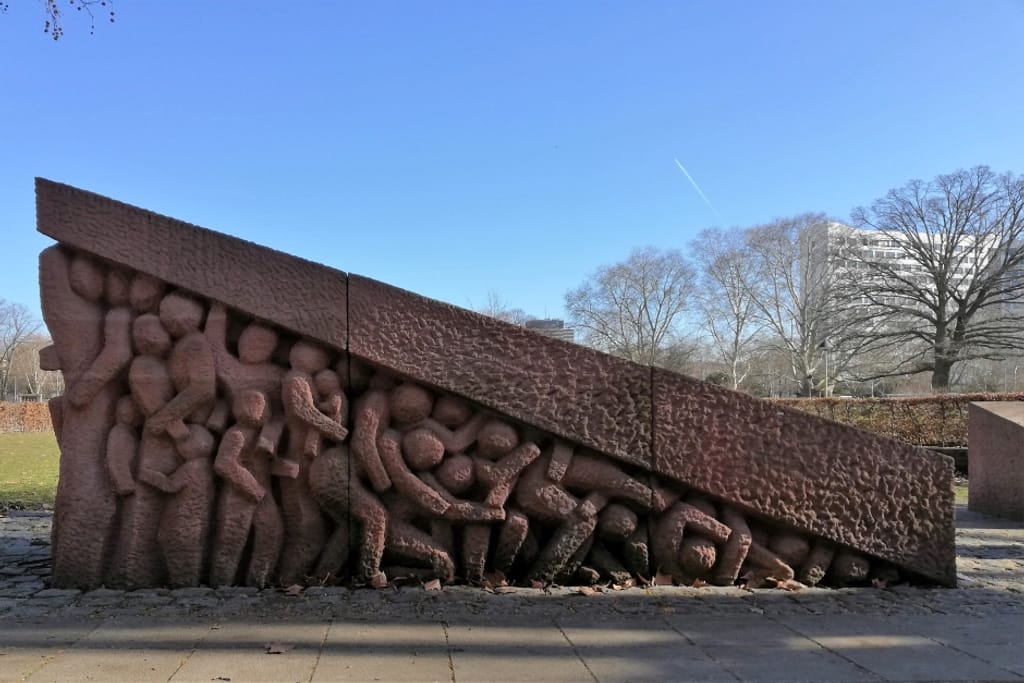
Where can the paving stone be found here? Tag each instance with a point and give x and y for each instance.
(58, 593)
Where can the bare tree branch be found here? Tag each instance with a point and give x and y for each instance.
(634, 309)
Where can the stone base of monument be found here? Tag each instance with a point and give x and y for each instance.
(995, 433)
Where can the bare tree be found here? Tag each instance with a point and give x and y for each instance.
(955, 292)
(16, 326)
(724, 299)
(635, 309)
(25, 374)
(496, 307)
(796, 300)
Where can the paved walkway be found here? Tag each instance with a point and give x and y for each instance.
(975, 632)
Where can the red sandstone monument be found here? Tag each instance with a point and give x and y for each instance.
(238, 416)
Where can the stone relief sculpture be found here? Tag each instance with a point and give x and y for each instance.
(231, 425)
(277, 490)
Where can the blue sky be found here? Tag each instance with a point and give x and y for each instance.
(455, 148)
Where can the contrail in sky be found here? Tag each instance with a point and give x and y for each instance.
(699, 191)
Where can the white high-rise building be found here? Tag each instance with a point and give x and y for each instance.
(847, 251)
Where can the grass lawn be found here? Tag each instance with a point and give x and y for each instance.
(28, 468)
(960, 494)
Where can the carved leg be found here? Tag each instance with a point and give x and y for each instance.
(510, 540)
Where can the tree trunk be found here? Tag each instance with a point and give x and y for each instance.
(940, 374)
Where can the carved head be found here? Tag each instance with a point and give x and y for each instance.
(117, 288)
(422, 449)
(327, 383)
(256, 344)
(180, 314)
(410, 403)
(496, 438)
(456, 473)
(308, 357)
(87, 278)
(149, 336)
(452, 412)
(127, 412)
(145, 293)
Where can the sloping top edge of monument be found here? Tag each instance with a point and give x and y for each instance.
(704, 436)
(305, 297)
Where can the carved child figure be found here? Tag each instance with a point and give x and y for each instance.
(185, 523)
(246, 503)
(305, 527)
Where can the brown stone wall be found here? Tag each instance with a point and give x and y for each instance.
(996, 447)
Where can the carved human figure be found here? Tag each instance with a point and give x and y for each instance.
(246, 505)
(138, 561)
(331, 401)
(615, 525)
(252, 370)
(540, 493)
(681, 521)
(370, 418)
(495, 466)
(336, 485)
(184, 530)
(406, 542)
(72, 289)
(190, 364)
(305, 526)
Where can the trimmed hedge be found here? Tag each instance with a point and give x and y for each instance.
(31, 416)
(937, 420)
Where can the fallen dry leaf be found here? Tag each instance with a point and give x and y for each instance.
(628, 583)
(294, 590)
(494, 579)
(587, 590)
(432, 585)
(789, 585)
(502, 590)
(699, 583)
(276, 648)
(879, 583)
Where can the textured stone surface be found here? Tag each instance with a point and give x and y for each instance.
(307, 298)
(877, 495)
(588, 397)
(996, 445)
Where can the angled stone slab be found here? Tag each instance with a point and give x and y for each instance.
(302, 296)
(594, 399)
(877, 495)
